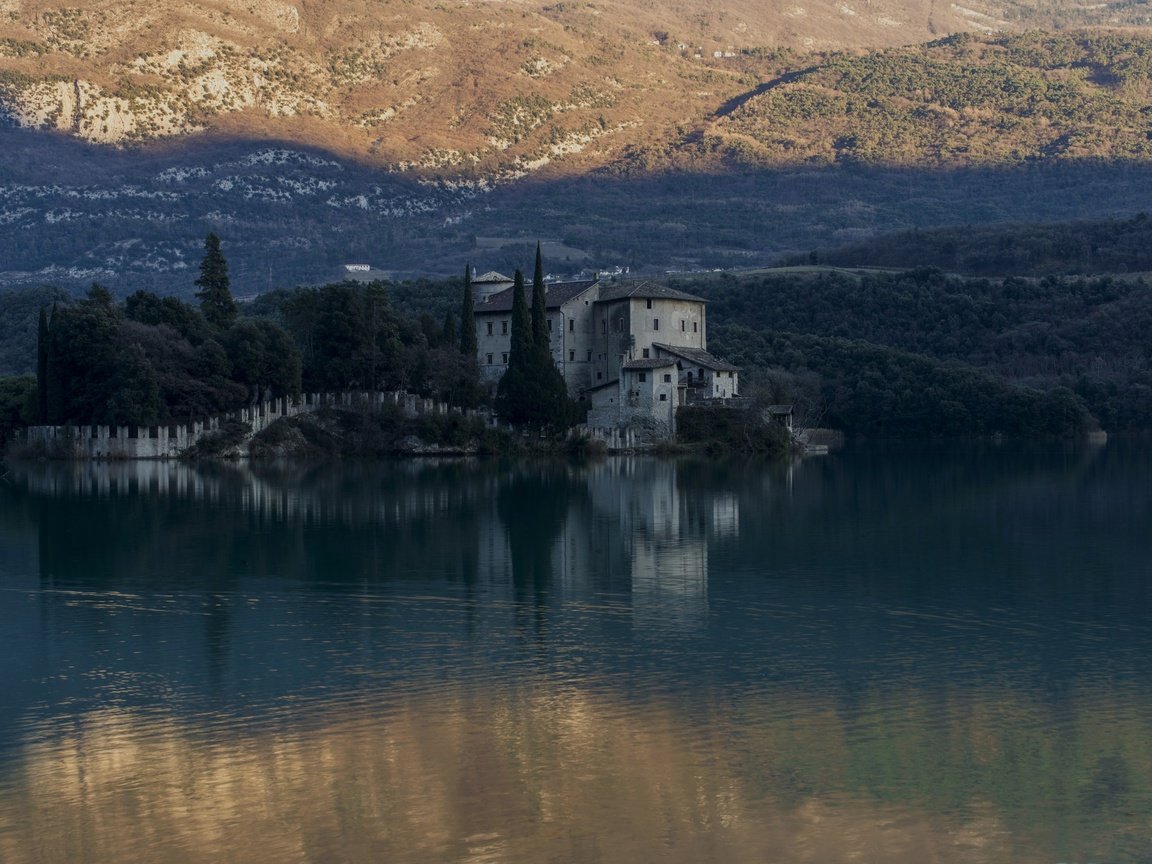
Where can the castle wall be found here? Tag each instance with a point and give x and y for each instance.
(170, 441)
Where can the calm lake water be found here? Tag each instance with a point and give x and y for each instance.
(889, 655)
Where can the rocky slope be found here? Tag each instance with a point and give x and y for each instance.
(415, 135)
(485, 87)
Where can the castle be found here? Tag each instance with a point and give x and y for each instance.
(635, 351)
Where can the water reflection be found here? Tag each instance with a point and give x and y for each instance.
(912, 656)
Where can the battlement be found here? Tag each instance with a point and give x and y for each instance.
(172, 440)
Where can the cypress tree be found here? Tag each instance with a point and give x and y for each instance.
(468, 345)
(549, 402)
(513, 393)
(42, 367)
(521, 325)
(539, 304)
(54, 390)
(215, 293)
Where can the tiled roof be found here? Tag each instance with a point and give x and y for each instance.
(489, 277)
(698, 357)
(653, 363)
(555, 295)
(645, 291)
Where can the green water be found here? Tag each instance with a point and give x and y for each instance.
(887, 654)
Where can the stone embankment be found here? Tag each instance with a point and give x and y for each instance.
(171, 441)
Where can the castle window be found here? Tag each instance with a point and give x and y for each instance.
(504, 328)
(649, 302)
(667, 379)
(643, 377)
(693, 326)
(489, 356)
(603, 326)
(683, 325)
(589, 356)
(571, 356)
(663, 397)
(505, 357)
(645, 353)
(549, 325)
(599, 375)
(489, 330)
(655, 323)
(571, 325)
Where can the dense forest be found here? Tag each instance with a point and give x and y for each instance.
(1038, 249)
(961, 100)
(874, 353)
(1084, 335)
(865, 389)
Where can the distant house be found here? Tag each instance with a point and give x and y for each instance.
(782, 414)
(633, 350)
(357, 268)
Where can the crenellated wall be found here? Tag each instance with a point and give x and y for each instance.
(170, 441)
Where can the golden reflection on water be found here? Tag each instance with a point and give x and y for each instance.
(541, 774)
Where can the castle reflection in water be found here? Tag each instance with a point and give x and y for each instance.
(548, 531)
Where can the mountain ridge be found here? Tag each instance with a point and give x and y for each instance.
(494, 89)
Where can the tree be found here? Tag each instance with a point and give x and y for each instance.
(264, 359)
(42, 367)
(448, 337)
(17, 405)
(467, 390)
(468, 318)
(513, 395)
(539, 302)
(135, 394)
(549, 402)
(532, 392)
(214, 292)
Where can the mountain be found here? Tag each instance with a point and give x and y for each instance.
(416, 136)
(493, 89)
(498, 88)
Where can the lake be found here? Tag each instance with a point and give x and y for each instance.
(892, 654)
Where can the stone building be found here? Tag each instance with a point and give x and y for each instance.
(636, 351)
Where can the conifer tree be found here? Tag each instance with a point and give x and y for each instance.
(214, 292)
(513, 393)
(521, 325)
(539, 304)
(448, 336)
(532, 391)
(549, 402)
(467, 317)
(54, 396)
(42, 367)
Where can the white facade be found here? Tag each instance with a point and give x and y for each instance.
(636, 351)
(646, 395)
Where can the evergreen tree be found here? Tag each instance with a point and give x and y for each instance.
(539, 303)
(448, 337)
(55, 398)
(134, 394)
(513, 393)
(468, 344)
(532, 391)
(214, 291)
(42, 367)
(550, 405)
(521, 325)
